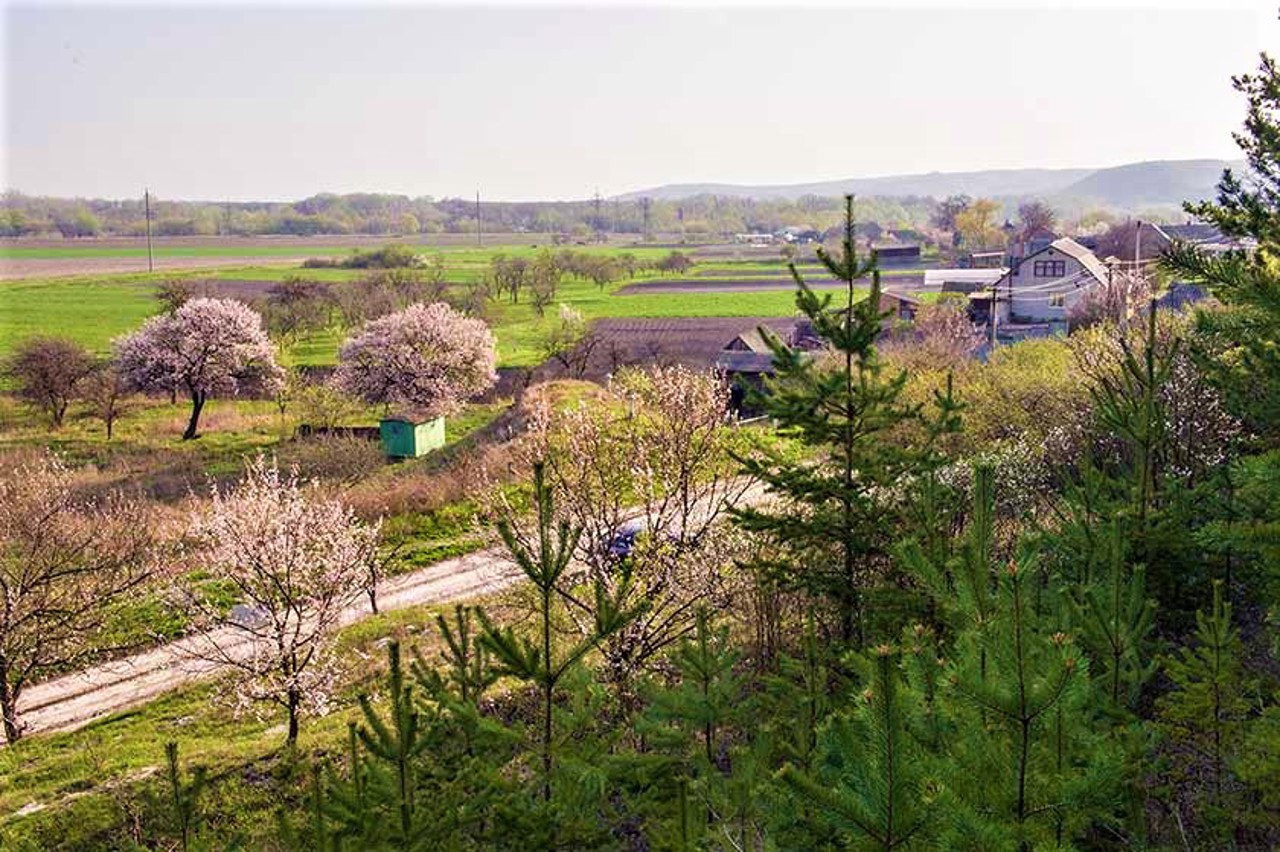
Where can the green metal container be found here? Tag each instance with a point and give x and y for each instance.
(407, 439)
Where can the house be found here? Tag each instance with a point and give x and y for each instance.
(902, 306)
(961, 280)
(1043, 286)
(1203, 236)
(744, 362)
(794, 234)
(896, 254)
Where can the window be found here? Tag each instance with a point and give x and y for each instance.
(1057, 300)
(1050, 268)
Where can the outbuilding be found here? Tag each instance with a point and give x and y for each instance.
(408, 438)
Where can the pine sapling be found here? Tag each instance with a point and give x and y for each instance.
(872, 776)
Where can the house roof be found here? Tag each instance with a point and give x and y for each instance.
(1072, 249)
(901, 297)
(751, 340)
(939, 277)
(1192, 232)
(744, 362)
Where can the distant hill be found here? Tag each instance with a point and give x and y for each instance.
(1151, 183)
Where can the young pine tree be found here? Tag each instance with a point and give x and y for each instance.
(872, 779)
(707, 727)
(1203, 721)
(1115, 619)
(846, 409)
(182, 802)
(545, 660)
(1026, 768)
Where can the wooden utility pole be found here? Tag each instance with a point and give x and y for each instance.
(479, 229)
(146, 202)
(995, 301)
(1137, 270)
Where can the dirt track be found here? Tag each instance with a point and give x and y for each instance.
(15, 268)
(72, 701)
(755, 285)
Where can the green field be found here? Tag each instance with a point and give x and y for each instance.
(91, 251)
(95, 309)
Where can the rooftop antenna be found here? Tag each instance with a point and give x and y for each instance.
(146, 201)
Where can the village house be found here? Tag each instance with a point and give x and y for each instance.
(1043, 286)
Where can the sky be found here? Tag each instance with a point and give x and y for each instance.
(536, 102)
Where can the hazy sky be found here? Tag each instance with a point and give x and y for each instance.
(520, 102)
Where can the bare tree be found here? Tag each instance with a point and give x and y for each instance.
(298, 305)
(106, 393)
(65, 561)
(1126, 291)
(508, 275)
(544, 281)
(173, 293)
(569, 342)
(1035, 218)
(47, 371)
(295, 560)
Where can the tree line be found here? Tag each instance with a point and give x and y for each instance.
(376, 214)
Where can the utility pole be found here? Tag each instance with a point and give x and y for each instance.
(479, 229)
(995, 301)
(645, 204)
(599, 220)
(146, 201)
(1133, 279)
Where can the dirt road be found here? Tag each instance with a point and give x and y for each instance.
(75, 700)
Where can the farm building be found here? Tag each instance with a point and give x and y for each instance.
(896, 254)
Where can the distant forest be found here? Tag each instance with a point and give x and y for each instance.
(379, 214)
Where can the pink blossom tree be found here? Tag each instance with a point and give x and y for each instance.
(426, 360)
(295, 560)
(205, 348)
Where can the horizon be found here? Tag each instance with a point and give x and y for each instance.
(624, 195)
(537, 103)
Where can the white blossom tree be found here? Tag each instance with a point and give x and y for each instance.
(426, 360)
(206, 348)
(64, 560)
(651, 457)
(295, 560)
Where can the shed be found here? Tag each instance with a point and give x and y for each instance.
(897, 253)
(403, 438)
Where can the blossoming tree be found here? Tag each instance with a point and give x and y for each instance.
(64, 559)
(426, 360)
(207, 347)
(295, 560)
